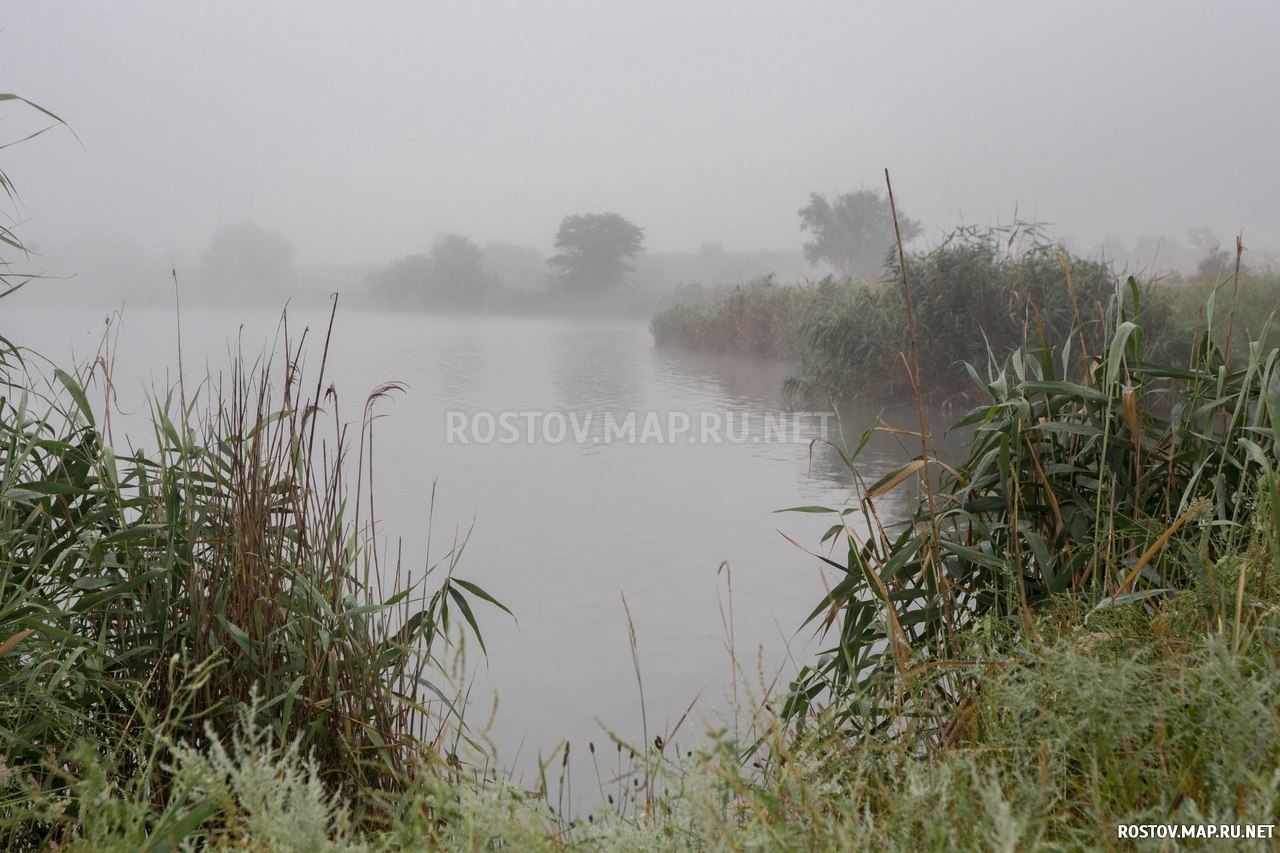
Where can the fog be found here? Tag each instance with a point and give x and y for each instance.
(361, 135)
(417, 156)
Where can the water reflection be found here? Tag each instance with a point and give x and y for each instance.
(596, 366)
(564, 529)
(749, 383)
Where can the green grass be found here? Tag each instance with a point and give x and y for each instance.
(760, 319)
(979, 291)
(1131, 714)
(149, 592)
(1076, 626)
(1033, 713)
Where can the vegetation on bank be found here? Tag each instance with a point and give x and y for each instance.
(1031, 666)
(150, 595)
(1075, 626)
(457, 276)
(1141, 715)
(762, 318)
(594, 262)
(1091, 470)
(1244, 304)
(147, 594)
(979, 292)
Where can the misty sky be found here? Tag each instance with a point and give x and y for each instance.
(361, 131)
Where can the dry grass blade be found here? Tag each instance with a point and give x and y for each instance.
(897, 478)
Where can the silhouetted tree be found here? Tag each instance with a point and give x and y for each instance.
(452, 275)
(854, 234)
(248, 259)
(596, 250)
(457, 274)
(517, 267)
(1215, 261)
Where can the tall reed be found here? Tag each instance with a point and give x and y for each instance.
(760, 318)
(1099, 474)
(233, 547)
(980, 289)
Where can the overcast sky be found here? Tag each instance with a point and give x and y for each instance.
(360, 131)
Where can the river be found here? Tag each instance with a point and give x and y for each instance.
(568, 508)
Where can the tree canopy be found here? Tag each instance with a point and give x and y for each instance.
(517, 267)
(452, 275)
(854, 233)
(249, 260)
(595, 251)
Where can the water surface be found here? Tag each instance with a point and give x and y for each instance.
(560, 531)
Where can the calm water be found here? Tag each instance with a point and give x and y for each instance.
(560, 530)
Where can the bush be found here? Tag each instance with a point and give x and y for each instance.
(1230, 312)
(980, 292)
(760, 318)
(158, 590)
(1117, 477)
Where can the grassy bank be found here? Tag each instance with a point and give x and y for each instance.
(1141, 715)
(146, 596)
(761, 318)
(977, 289)
(979, 293)
(1076, 628)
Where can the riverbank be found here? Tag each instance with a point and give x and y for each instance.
(1129, 681)
(1137, 718)
(977, 296)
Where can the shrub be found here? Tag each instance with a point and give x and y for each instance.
(980, 291)
(235, 549)
(1232, 311)
(1091, 472)
(760, 319)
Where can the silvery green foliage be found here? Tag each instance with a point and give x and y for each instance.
(264, 796)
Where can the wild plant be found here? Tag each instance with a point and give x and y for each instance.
(760, 318)
(151, 591)
(980, 289)
(242, 537)
(1092, 472)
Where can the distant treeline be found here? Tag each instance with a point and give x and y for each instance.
(979, 295)
(461, 275)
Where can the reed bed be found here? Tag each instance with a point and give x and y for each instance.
(204, 646)
(147, 596)
(1094, 474)
(760, 318)
(980, 291)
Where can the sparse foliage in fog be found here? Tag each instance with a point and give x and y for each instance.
(854, 233)
(516, 267)
(248, 259)
(978, 293)
(457, 271)
(595, 252)
(9, 279)
(1214, 259)
(452, 275)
